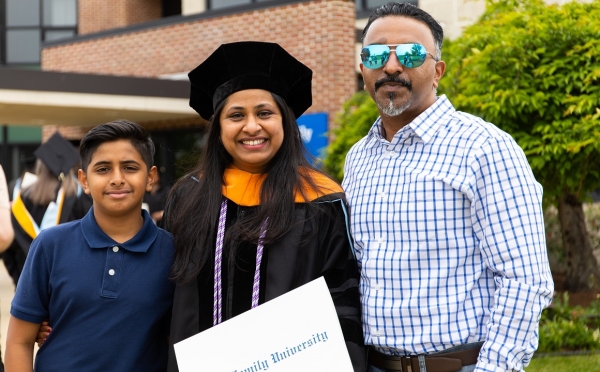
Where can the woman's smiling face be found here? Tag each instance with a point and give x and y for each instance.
(251, 129)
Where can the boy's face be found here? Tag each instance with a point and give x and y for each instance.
(117, 179)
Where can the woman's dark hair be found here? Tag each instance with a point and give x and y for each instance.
(193, 221)
(113, 131)
(410, 11)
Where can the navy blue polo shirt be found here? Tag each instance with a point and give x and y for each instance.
(108, 304)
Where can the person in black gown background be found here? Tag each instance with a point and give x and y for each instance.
(55, 197)
(156, 200)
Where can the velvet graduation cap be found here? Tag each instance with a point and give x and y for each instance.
(249, 65)
(58, 155)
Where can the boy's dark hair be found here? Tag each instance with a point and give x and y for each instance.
(410, 11)
(113, 131)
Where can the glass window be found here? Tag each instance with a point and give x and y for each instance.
(372, 4)
(23, 46)
(220, 4)
(171, 7)
(60, 12)
(22, 12)
(58, 34)
(27, 23)
(366, 6)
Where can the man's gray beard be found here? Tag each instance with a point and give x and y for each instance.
(390, 109)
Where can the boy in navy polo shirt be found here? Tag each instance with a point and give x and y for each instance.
(102, 281)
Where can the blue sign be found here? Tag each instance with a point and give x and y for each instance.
(313, 128)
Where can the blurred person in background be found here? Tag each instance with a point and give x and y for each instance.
(6, 230)
(26, 177)
(156, 199)
(54, 197)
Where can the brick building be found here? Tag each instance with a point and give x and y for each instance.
(137, 41)
(175, 45)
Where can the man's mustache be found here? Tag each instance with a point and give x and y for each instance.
(393, 79)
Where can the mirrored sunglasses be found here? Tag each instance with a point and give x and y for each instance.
(409, 55)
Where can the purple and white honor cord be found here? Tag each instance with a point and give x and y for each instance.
(218, 302)
(218, 292)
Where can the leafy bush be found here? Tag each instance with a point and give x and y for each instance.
(565, 328)
(567, 335)
(353, 123)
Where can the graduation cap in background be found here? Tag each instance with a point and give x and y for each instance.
(249, 65)
(58, 155)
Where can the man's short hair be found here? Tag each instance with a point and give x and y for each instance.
(113, 131)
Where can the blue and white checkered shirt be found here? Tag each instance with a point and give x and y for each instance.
(449, 235)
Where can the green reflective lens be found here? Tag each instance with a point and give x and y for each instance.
(375, 56)
(409, 55)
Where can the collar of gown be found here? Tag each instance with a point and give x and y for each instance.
(243, 188)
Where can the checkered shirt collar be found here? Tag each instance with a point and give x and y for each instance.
(425, 125)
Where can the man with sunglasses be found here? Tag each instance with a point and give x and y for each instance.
(446, 215)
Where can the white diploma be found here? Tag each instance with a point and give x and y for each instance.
(296, 332)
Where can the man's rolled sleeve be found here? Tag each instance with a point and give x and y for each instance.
(508, 221)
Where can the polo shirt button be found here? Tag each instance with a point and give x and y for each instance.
(115, 249)
(111, 272)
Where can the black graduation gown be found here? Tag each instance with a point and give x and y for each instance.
(74, 208)
(318, 246)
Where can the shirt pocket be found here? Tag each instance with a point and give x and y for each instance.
(436, 217)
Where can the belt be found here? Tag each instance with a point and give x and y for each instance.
(441, 362)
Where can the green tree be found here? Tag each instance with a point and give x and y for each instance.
(534, 70)
(353, 123)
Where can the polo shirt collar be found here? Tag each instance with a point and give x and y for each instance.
(425, 125)
(96, 238)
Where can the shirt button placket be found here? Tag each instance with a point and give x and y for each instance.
(110, 282)
(111, 272)
(375, 332)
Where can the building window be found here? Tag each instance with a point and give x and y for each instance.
(365, 7)
(25, 24)
(171, 7)
(220, 4)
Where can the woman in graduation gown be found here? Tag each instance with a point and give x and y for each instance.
(254, 216)
(55, 197)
